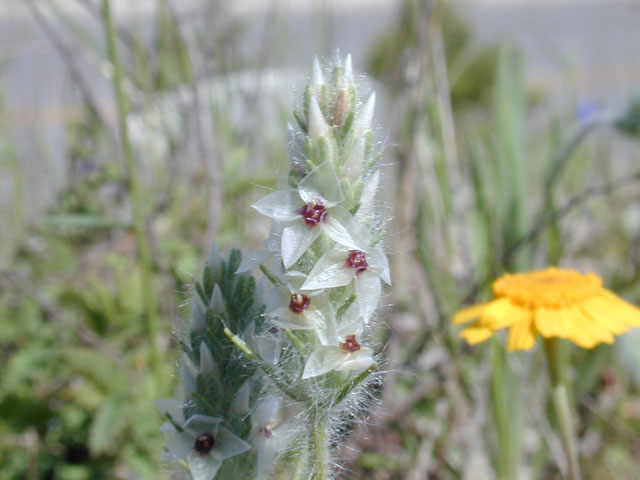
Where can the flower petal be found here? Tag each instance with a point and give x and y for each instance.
(467, 314)
(269, 347)
(330, 271)
(323, 325)
(610, 322)
(367, 293)
(584, 331)
(621, 310)
(296, 239)
(267, 410)
(276, 298)
(179, 446)
(229, 445)
(522, 335)
(552, 322)
(337, 228)
(380, 264)
(359, 360)
(285, 318)
(476, 333)
(321, 184)
(501, 313)
(322, 360)
(281, 205)
(201, 423)
(351, 322)
(203, 467)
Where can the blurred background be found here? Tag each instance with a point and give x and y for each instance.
(511, 139)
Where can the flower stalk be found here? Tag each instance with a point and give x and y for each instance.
(507, 460)
(560, 399)
(320, 446)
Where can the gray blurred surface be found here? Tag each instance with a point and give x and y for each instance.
(589, 49)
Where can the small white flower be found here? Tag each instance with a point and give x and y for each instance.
(365, 266)
(308, 211)
(203, 444)
(344, 352)
(287, 307)
(272, 436)
(268, 345)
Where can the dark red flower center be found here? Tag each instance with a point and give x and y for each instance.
(204, 443)
(299, 302)
(314, 213)
(357, 260)
(273, 330)
(266, 431)
(350, 344)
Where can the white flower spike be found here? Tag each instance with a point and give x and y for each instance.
(311, 209)
(261, 354)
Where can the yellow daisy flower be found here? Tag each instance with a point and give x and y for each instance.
(554, 303)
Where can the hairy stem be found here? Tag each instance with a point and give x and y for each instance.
(132, 178)
(319, 446)
(561, 405)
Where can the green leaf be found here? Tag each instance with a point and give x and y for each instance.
(108, 424)
(98, 368)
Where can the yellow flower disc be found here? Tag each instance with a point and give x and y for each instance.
(550, 288)
(553, 303)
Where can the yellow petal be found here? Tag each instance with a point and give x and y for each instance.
(476, 334)
(620, 309)
(599, 312)
(552, 322)
(584, 332)
(522, 335)
(502, 313)
(467, 314)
